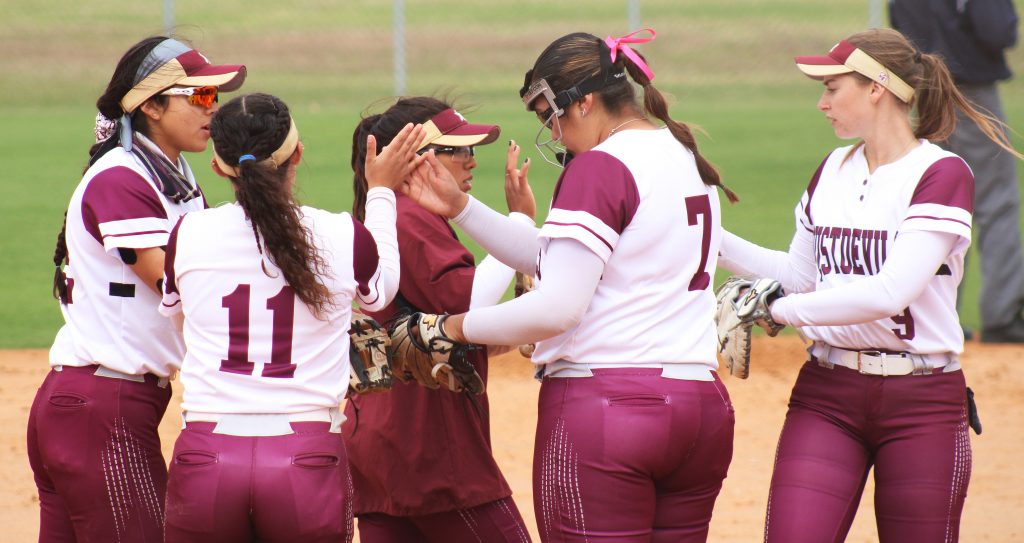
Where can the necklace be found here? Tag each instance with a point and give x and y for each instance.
(612, 131)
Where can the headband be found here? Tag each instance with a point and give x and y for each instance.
(278, 157)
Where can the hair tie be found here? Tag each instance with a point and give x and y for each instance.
(917, 56)
(619, 44)
(244, 158)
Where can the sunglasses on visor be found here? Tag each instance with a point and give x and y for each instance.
(197, 96)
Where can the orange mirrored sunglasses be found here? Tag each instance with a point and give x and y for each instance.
(197, 96)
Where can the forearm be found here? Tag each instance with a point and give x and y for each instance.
(510, 239)
(571, 275)
(149, 267)
(490, 282)
(381, 214)
(914, 259)
(794, 270)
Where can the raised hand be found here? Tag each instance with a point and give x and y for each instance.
(432, 186)
(391, 168)
(518, 193)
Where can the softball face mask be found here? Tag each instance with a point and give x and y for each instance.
(556, 153)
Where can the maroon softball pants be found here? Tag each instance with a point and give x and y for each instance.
(630, 456)
(272, 489)
(493, 522)
(912, 429)
(95, 455)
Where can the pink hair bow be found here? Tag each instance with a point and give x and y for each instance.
(619, 44)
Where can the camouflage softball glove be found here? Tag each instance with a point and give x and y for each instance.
(742, 303)
(368, 356)
(430, 357)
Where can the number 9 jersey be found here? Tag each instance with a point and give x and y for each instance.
(252, 345)
(849, 219)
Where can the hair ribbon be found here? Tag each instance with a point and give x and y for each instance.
(620, 44)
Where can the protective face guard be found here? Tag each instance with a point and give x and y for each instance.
(556, 152)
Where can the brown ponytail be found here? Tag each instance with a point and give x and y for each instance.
(936, 95)
(577, 57)
(257, 124)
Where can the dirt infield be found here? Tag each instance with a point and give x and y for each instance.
(994, 510)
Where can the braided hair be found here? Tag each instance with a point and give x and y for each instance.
(108, 104)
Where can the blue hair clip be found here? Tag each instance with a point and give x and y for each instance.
(243, 158)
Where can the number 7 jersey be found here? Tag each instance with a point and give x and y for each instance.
(638, 202)
(252, 345)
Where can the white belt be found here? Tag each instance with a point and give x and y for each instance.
(264, 424)
(103, 371)
(562, 368)
(884, 364)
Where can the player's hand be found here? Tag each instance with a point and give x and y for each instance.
(518, 193)
(432, 186)
(391, 168)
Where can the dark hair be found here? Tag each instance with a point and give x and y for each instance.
(109, 104)
(122, 81)
(576, 57)
(384, 127)
(936, 95)
(257, 124)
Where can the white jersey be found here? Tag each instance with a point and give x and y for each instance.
(637, 201)
(111, 318)
(852, 218)
(252, 345)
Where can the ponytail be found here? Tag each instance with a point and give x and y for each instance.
(60, 257)
(359, 183)
(257, 124)
(938, 98)
(581, 57)
(936, 95)
(656, 105)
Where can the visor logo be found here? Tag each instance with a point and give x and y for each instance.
(883, 77)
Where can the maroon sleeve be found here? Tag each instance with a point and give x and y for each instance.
(118, 194)
(171, 284)
(599, 184)
(947, 182)
(437, 270)
(365, 259)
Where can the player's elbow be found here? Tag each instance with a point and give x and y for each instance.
(560, 321)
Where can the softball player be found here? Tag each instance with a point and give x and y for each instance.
(635, 429)
(881, 233)
(92, 431)
(266, 289)
(416, 478)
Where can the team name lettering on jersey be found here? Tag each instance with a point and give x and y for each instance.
(850, 250)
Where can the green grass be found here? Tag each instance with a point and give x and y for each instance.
(728, 65)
